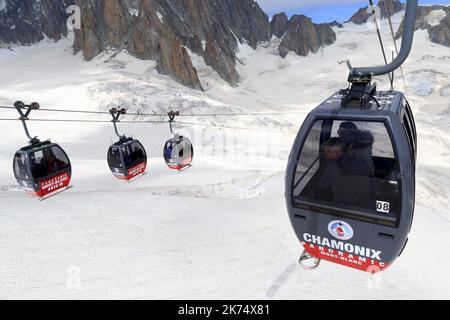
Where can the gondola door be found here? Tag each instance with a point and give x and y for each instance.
(116, 164)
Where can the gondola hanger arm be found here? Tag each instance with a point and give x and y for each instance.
(116, 114)
(172, 115)
(24, 116)
(20, 106)
(407, 41)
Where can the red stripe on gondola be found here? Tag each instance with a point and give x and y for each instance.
(53, 184)
(345, 259)
(184, 164)
(135, 171)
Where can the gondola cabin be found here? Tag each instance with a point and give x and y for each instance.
(350, 183)
(178, 153)
(127, 159)
(42, 169)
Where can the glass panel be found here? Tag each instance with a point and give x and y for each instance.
(409, 134)
(126, 156)
(412, 122)
(168, 150)
(20, 167)
(349, 165)
(411, 127)
(137, 153)
(47, 162)
(114, 158)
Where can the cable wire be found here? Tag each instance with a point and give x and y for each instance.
(81, 120)
(165, 115)
(152, 122)
(386, 8)
(391, 77)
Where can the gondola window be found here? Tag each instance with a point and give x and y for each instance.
(348, 166)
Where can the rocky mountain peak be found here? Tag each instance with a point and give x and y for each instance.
(167, 31)
(303, 36)
(434, 19)
(387, 8)
(28, 22)
(279, 24)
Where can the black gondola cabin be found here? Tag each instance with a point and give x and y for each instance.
(127, 159)
(42, 169)
(350, 183)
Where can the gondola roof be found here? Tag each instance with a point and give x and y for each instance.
(39, 145)
(389, 101)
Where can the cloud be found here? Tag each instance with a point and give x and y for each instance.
(281, 5)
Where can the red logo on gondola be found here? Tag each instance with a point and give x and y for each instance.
(137, 170)
(340, 232)
(53, 184)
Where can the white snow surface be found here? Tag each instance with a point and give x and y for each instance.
(219, 230)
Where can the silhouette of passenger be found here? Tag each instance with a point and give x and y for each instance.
(51, 162)
(347, 130)
(358, 157)
(137, 155)
(168, 154)
(127, 157)
(345, 175)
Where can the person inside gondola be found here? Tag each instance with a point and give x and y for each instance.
(169, 149)
(358, 156)
(127, 158)
(51, 163)
(347, 174)
(136, 155)
(346, 130)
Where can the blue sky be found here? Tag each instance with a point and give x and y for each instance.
(323, 10)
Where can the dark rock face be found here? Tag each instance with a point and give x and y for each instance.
(361, 16)
(387, 9)
(336, 23)
(440, 33)
(152, 38)
(211, 28)
(303, 36)
(164, 30)
(279, 24)
(26, 22)
(104, 25)
(214, 28)
(390, 7)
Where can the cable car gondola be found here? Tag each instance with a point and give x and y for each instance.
(127, 158)
(178, 151)
(350, 181)
(43, 169)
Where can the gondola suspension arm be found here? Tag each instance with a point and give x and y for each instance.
(20, 106)
(116, 114)
(172, 115)
(356, 74)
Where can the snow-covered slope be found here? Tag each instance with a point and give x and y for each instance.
(219, 230)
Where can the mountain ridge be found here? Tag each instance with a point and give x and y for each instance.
(167, 31)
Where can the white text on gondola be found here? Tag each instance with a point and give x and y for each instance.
(342, 246)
